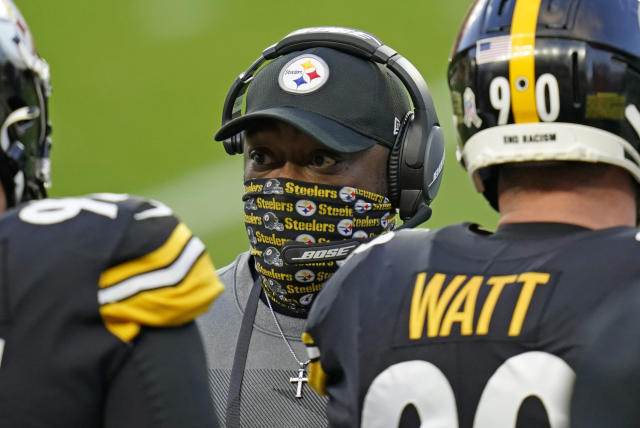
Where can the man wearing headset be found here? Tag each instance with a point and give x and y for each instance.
(97, 294)
(319, 126)
(465, 327)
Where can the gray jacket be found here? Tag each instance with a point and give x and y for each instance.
(268, 398)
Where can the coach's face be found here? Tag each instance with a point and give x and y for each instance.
(278, 150)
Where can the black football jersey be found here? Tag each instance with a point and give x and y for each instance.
(607, 388)
(459, 327)
(88, 289)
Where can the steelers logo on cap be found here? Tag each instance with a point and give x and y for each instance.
(303, 74)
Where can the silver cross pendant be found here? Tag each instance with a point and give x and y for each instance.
(300, 380)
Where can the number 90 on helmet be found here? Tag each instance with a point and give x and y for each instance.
(546, 80)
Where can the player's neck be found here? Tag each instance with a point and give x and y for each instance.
(593, 208)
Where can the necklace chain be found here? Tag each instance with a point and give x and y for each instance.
(273, 314)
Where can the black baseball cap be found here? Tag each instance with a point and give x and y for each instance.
(346, 102)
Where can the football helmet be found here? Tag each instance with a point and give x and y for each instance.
(272, 222)
(272, 257)
(546, 80)
(24, 93)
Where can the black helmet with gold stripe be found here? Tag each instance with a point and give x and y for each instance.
(546, 80)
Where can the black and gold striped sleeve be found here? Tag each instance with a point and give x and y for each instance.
(168, 286)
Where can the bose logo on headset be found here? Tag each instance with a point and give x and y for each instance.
(417, 157)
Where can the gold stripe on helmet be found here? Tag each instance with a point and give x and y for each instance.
(522, 64)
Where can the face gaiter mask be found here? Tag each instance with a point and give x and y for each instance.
(300, 233)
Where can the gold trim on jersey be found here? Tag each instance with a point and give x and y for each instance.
(167, 306)
(167, 276)
(522, 63)
(167, 287)
(158, 258)
(317, 377)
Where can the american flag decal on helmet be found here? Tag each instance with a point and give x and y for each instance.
(493, 49)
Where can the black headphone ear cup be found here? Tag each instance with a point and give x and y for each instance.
(433, 163)
(393, 169)
(235, 144)
(394, 159)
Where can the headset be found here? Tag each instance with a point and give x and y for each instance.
(417, 157)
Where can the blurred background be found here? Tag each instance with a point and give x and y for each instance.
(138, 89)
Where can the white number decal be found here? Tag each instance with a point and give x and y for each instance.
(548, 82)
(411, 382)
(159, 210)
(540, 374)
(110, 197)
(547, 92)
(423, 385)
(500, 97)
(52, 211)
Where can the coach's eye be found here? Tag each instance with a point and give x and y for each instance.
(323, 160)
(259, 157)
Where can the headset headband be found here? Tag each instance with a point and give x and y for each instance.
(355, 42)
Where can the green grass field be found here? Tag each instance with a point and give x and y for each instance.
(139, 87)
